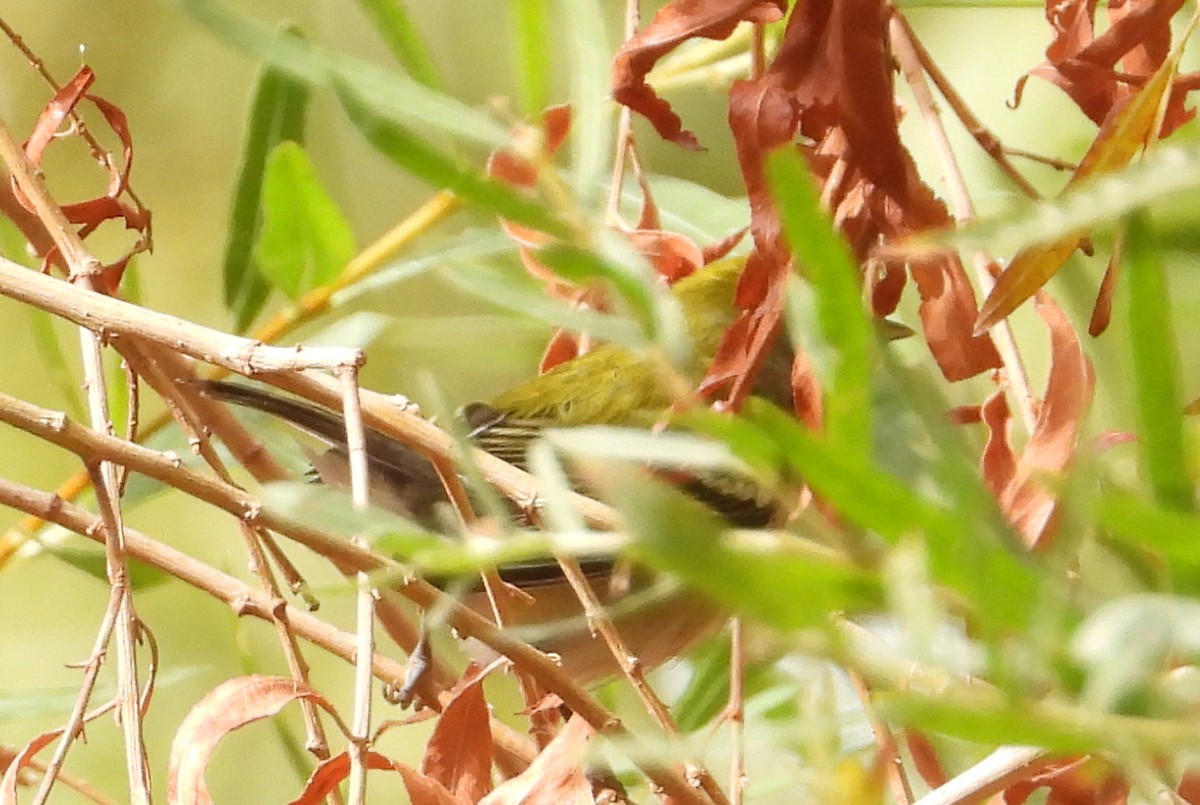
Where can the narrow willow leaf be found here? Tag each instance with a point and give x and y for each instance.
(436, 168)
(1156, 370)
(391, 94)
(330, 510)
(54, 363)
(591, 130)
(993, 723)
(964, 553)
(765, 580)
(1160, 177)
(646, 297)
(1126, 643)
(395, 27)
(1138, 522)
(531, 32)
(93, 562)
(826, 261)
(528, 299)
(305, 241)
(277, 112)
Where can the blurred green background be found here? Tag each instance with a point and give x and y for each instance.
(186, 97)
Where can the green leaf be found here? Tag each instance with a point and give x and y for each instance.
(965, 554)
(502, 287)
(1126, 643)
(391, 93)
(277, 112)
(50, 350)
(434, 167)
(825, 260)
(1161, 176)
(1174, 534)
(771, 580)
(986, 722)
(531, 32)
(591, 108)
(403, 39)
(305, 241)
(92, 562)
(1156, 370)
(318, 506)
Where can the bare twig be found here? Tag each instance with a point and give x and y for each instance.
(885, 743)
(904, 46)
(360, 484)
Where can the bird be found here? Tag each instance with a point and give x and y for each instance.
(609, 385)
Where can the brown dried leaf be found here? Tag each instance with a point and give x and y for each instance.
(998, 463)
(459, 753)
(1102, 310)
(555, 777)
(948, 314)
(1073, 781)
(925, 759)
(424, 790)
(1085, 67)
(1029, 505)
(674, 24)
(227, 707)
(330, 773)
(12, 775)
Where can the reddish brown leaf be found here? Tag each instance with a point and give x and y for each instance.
(93, 212)
(1085, 66)
(715, 251)
(424, 790)
(998, 463)
(330, 773)
(459, 753)
(555, 777)
(12, 775)
(1072, 782)
(925, 759)
(56, 112)
(887, 286)
(948, 315)
(1102, 310)
(674, 256)
(674, 24)
(563, 346)
(1028, 504)
(831, 81)
(227, 707)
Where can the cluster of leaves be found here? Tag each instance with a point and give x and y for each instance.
(1000, 544)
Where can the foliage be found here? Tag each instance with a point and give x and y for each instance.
(945, 530)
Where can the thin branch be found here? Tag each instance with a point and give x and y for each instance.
(360, 485)
(904, 46)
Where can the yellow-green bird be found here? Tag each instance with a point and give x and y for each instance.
(610, 385)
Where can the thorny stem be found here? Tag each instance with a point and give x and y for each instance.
(904, 46)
